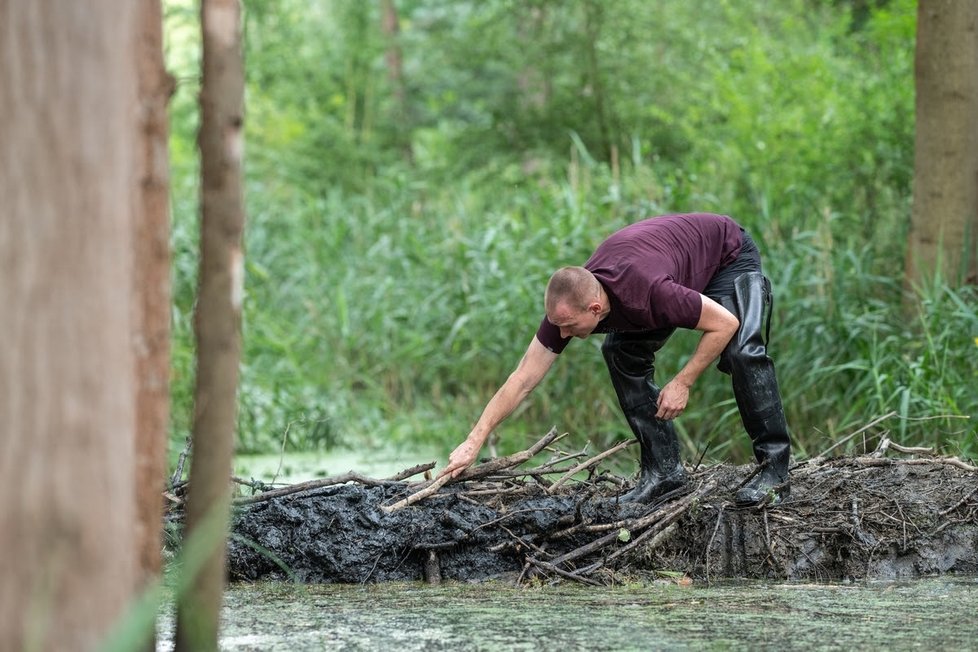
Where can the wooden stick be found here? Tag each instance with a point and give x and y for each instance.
(178, 473)
(637, 525)
(418, 495)
(709, 545)
(588, 463)
(959, 503)
(508, 461)
(920, 450)
(553, 569)
(350, 476)
(950, 461)
(472, 473)
(866, 427)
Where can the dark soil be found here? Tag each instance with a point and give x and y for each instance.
(847, 518)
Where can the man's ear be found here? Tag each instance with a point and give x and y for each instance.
(594, 308)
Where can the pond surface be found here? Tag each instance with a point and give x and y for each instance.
(932, 613)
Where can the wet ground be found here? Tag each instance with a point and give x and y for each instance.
(847, 519)
(929, 613)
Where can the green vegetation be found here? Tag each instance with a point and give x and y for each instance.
(388, 296)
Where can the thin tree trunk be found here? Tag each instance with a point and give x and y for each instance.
(944, 224)
(395, 75)
(533, 83)
(151, 338)
(594, 18)
(218, 317)
(68, 137)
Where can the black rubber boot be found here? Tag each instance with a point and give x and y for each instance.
(755, 387)
(661, 466)
(631, 363)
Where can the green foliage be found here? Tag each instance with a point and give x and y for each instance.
(388, 297)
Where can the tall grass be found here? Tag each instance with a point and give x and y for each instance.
(387, 308)
(391, 319)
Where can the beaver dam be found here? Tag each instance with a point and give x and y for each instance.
(896, 513)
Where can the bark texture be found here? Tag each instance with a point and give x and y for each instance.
(218, 317)
(151, 285)
(944, 225)
(67, 146)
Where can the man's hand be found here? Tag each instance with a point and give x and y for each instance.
(461, 458)
(718, 325)
(672, 400)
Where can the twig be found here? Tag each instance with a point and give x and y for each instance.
(350, 476)
(950, 461)
(418, 495)
(588, 463)
(553, 569)
(959, 503)
(709, 546)
(750, 476)
(508, 461)
(657, 517)
(866, 427)
(881, 447)
(699, 460)
(911, 450)
(178, 473)
(480, 471)
(281, 452)
(767, 541)
(657, 534)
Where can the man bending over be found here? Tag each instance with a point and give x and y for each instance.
(698, 271)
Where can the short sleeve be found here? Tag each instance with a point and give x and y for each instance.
(675, 305)
(549, 336)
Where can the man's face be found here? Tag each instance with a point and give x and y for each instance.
(574, 322)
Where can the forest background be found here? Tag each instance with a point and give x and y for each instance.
(414, 173)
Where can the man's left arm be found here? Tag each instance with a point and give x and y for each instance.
(718, 325)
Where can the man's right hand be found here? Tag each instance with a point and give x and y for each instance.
(461, 458)
(527, 375)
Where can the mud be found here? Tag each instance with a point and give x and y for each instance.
(847, 518)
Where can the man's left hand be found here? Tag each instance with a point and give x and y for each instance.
(672, 400)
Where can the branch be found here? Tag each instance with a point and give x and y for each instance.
(476, 472)
(350, 476)
(589, 463)
(659, 519)
(864, 428)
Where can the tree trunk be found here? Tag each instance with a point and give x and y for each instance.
(534, 83)
(218, 317)
(395, 75)
(944, 224)
(67, 192)
(593, 23)
(151, 338)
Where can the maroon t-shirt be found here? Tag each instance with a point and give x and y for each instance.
(654, 271)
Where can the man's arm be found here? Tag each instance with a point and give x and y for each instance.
(718, 325)
(532, 368)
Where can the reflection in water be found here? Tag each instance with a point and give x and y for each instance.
(929, 613)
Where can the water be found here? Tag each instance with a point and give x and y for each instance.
(932, 613)
(296, 467)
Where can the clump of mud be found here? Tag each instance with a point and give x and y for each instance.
(847, 518)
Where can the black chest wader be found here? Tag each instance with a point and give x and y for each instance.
(631, 363)
(755, 388)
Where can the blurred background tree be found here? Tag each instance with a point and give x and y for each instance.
(417, 168)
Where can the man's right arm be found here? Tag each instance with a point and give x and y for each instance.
(528, 373)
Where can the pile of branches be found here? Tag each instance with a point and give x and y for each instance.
(864, 516)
